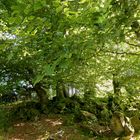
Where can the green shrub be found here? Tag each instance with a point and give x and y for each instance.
(26, 111)
(69, 119)
(72, 106)
(4, 120)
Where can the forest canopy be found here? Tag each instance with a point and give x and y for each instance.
(80, 41)
(51, 50)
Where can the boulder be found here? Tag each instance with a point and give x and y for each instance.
(117, 124)
(136, 122)
(121, 125)
(87, 115)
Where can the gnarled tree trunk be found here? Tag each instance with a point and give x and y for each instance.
(116, 85)
(41, 93)
(61, 90)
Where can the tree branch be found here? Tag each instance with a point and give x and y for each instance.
(136, 45)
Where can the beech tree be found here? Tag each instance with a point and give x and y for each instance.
(57, 42)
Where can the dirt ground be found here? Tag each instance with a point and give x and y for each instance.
(46, 128)
(50, 128)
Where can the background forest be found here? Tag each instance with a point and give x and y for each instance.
(75, 59)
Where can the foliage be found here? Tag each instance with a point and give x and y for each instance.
(26, 111)
(93, 45)
(5, 120)
(44, 31)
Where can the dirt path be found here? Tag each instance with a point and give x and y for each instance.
(50, 128)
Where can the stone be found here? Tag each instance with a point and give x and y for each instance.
(121, 125)
(136, 122)
(117, 124)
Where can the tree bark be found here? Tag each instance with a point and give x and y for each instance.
(116, 85)
(41, 93)
(61, 91)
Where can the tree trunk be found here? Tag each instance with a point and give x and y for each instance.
(41, 93)
(61, 91)
(116, 85)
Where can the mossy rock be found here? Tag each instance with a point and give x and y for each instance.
(88, 116)
(121, 125)
(116, 124)
(135, 121)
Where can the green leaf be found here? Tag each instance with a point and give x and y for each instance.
(38, 79)
(48, 70)
(37, 6)
(11, 20)
(28, 9)
(64, 64)
(59, 9)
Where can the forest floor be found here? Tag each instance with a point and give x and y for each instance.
(47, 128)
(52, 127)
(58, 127)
